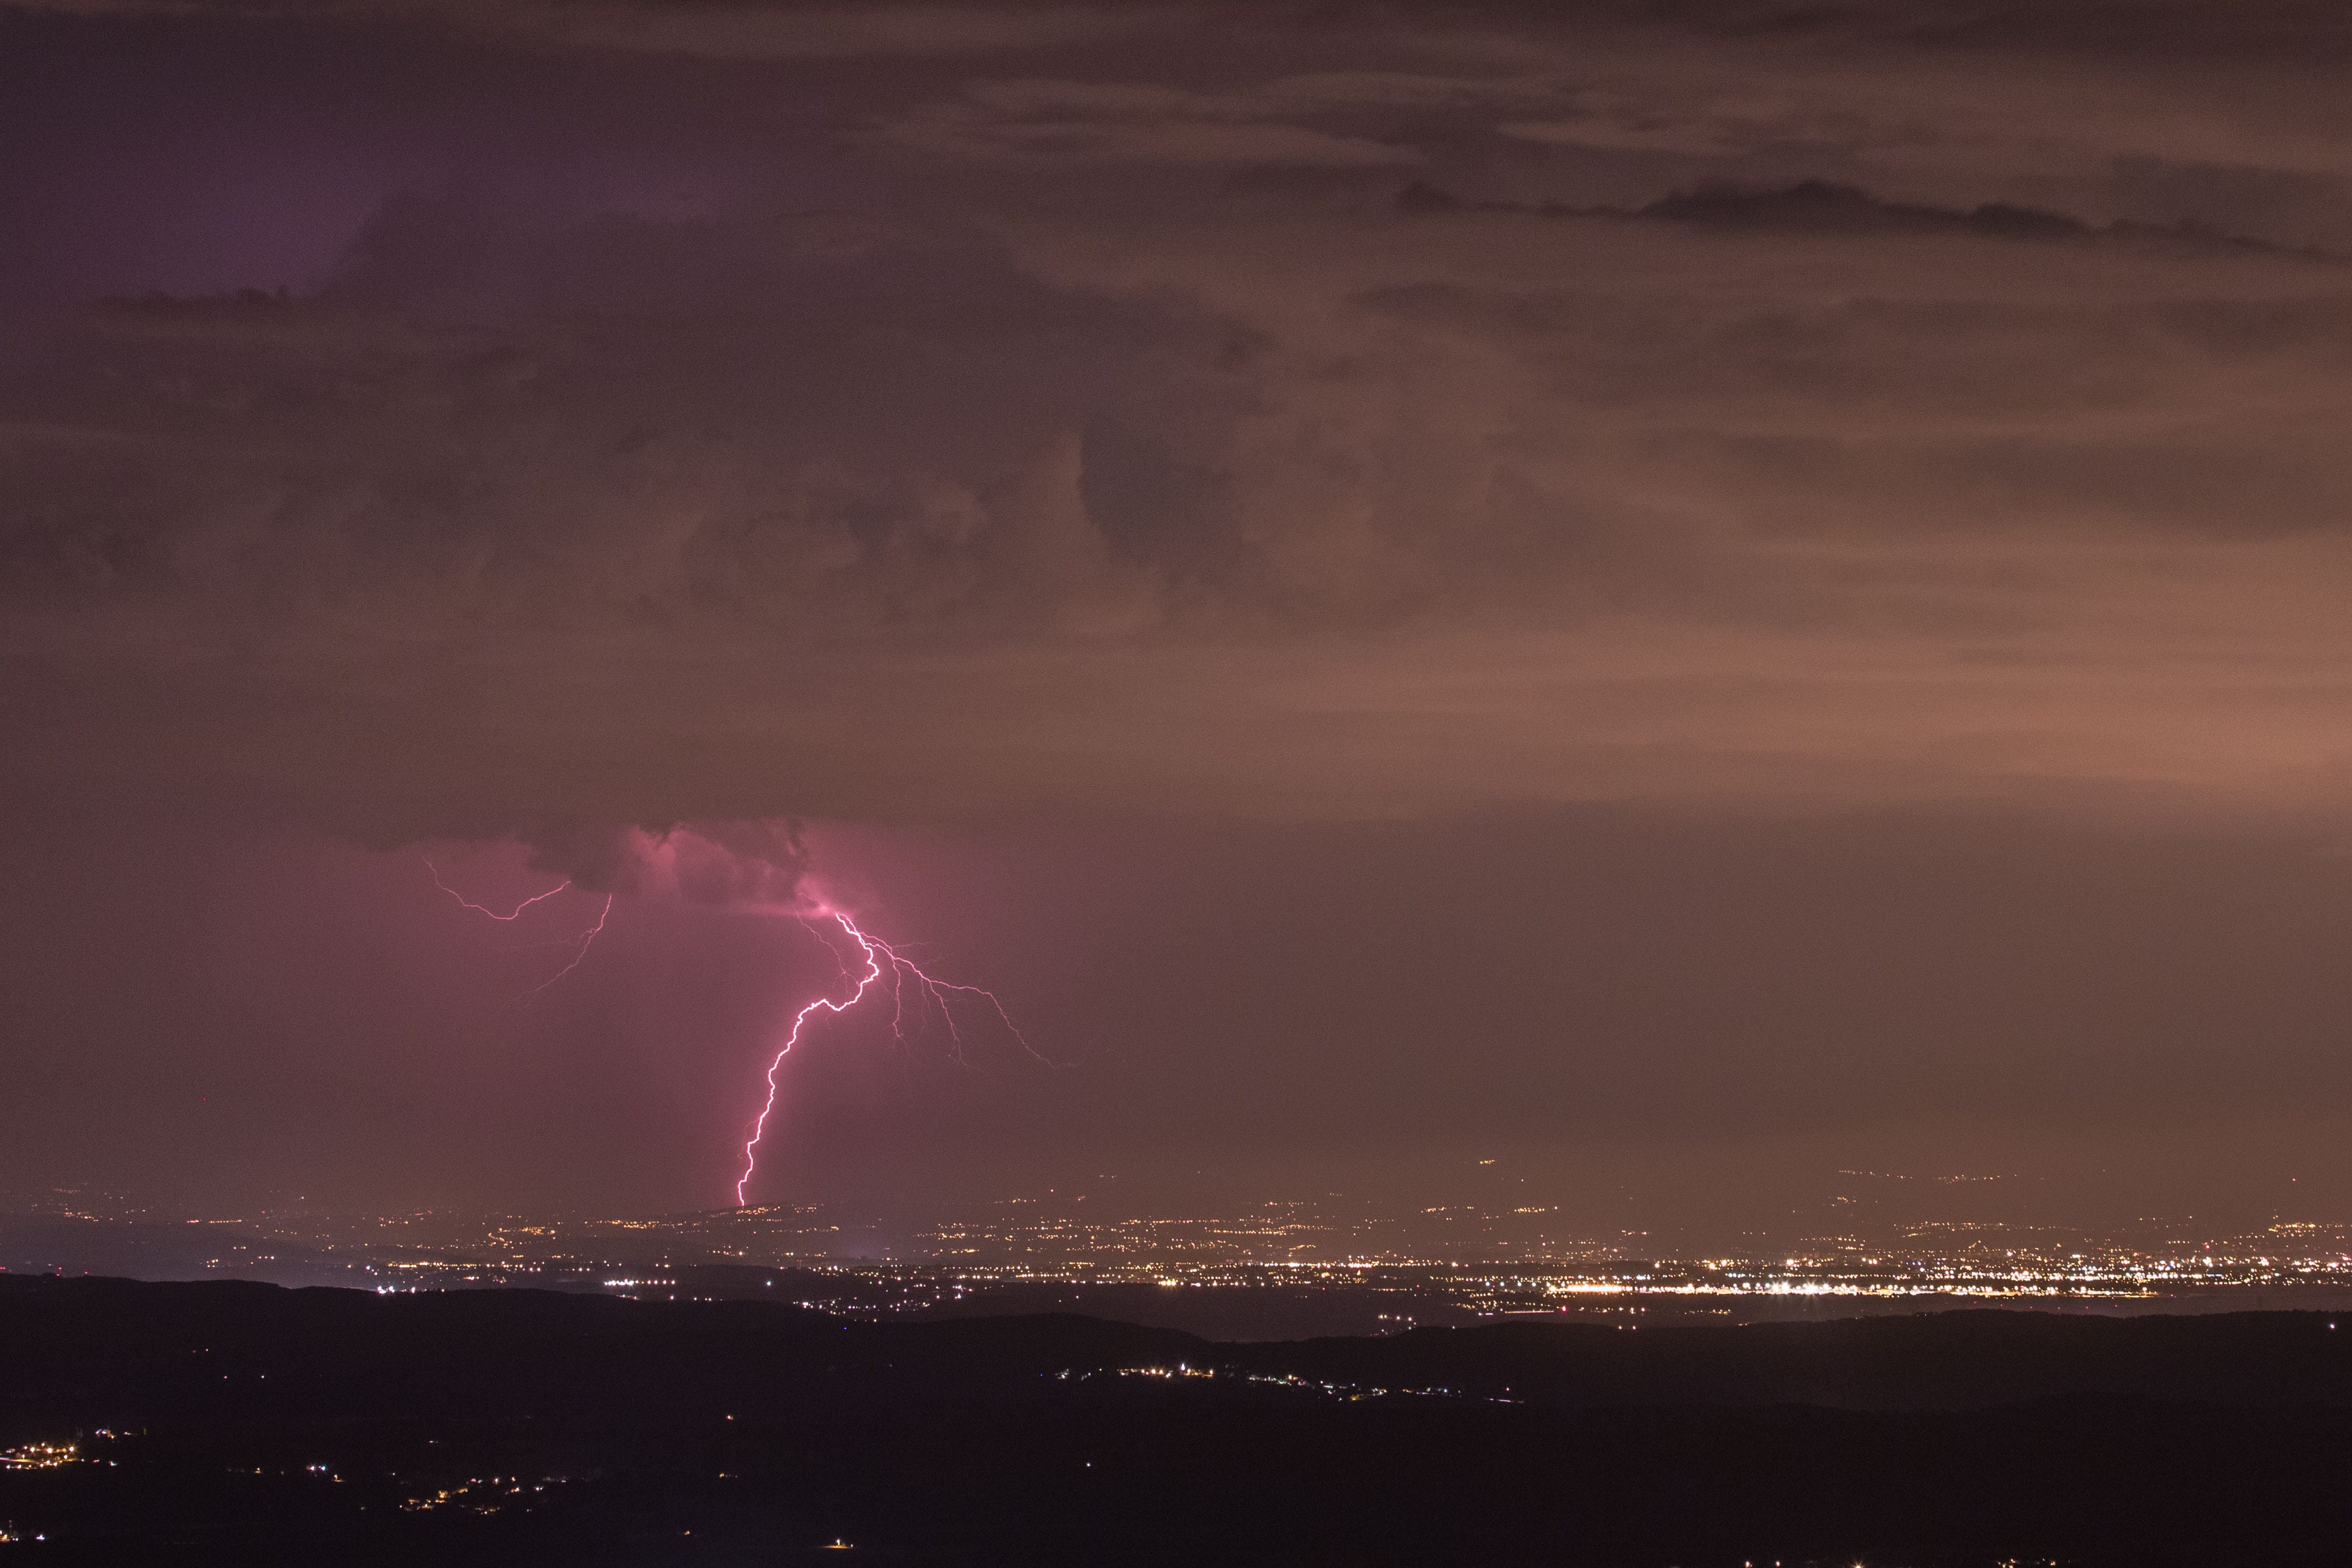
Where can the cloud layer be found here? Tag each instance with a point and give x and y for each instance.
(1018, 421)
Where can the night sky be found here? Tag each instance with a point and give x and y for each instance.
(1678, 596)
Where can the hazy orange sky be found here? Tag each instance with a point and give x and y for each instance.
(1669, 585)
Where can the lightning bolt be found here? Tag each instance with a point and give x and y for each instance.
(434, 872)
(586, 939)
(881, 960)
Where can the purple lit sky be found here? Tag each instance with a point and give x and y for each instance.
(1407, 583)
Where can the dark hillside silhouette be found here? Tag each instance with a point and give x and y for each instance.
(248, 1424)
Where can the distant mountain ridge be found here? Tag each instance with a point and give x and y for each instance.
(140, 1342)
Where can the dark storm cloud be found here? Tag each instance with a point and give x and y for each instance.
(1819, 207)
(1114, 437)
(703, 28)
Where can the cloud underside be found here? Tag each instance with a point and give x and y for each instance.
(1134, 450)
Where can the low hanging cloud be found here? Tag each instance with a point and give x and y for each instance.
(762, 864)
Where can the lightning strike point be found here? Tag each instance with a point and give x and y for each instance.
(880, 958)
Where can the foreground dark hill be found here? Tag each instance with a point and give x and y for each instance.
(251, 1424)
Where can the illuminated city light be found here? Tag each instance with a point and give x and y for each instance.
(39, 1456)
